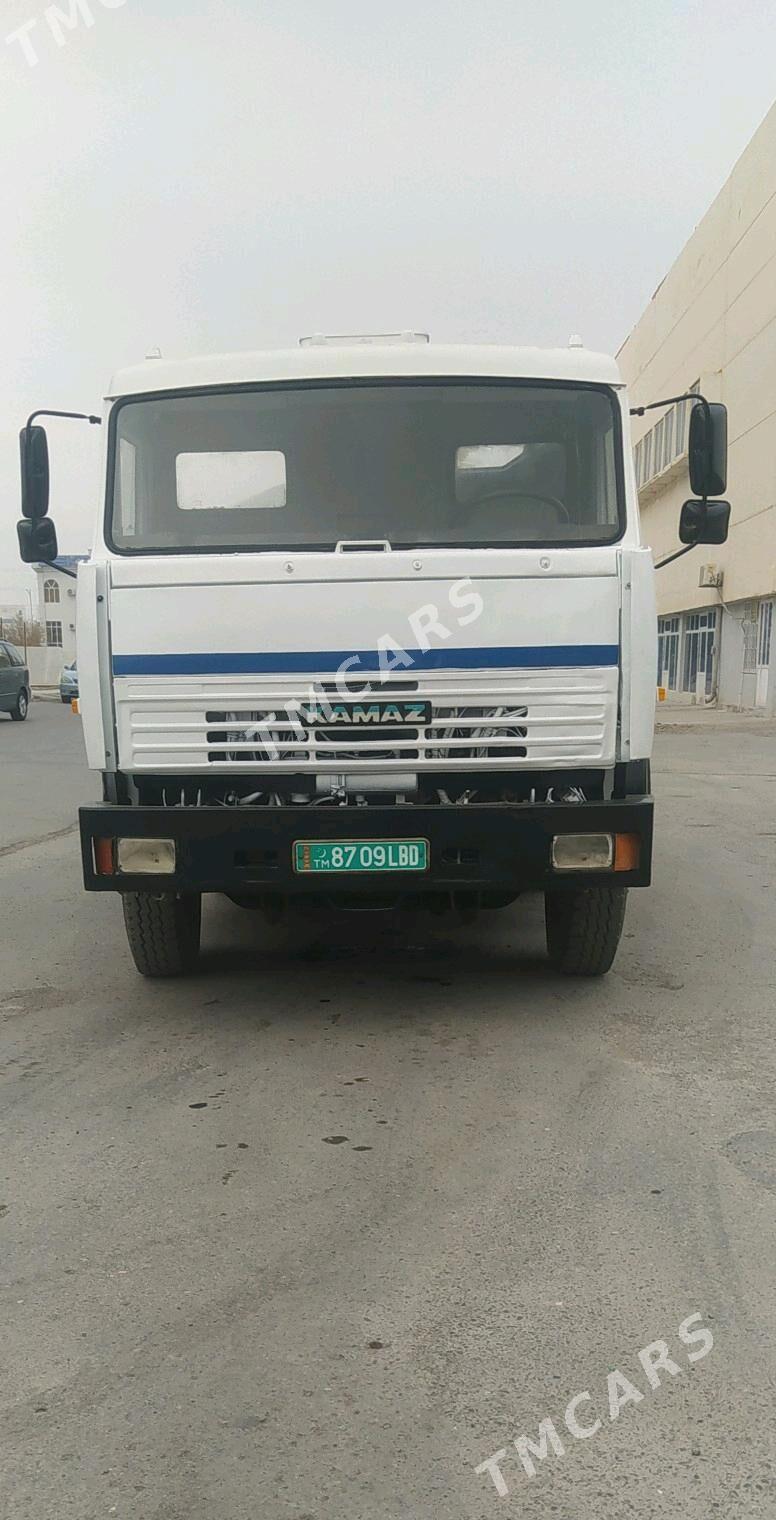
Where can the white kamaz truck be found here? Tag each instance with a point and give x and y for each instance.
(370, 622)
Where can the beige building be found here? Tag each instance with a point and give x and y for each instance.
(711, 325)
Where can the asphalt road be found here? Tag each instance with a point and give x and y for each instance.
(43, 775)
(211, 1312)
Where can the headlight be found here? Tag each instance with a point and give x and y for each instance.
(583, 852)
(145, 857)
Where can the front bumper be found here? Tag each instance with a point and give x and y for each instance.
(473, 848)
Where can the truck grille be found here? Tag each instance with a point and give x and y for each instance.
(507, 720)
(461, 733)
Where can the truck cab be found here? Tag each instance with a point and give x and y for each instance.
(369, 623)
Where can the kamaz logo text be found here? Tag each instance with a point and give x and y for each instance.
(364, 714)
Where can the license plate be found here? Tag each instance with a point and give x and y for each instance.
(313, 855)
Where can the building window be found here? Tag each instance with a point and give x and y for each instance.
(668, 422)
(648, 456)
(668, 636)
(657, 461)
(749, 636)
(680, 426)
(765, 628)
(54, 635)
(665, 443)
(699, 650)
(50, 591)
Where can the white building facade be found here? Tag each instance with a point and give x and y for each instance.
(711, 326)
(56, 606)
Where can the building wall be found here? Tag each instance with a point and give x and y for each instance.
(57, 617)
(45, 666)
(713, 320)
(736, 678)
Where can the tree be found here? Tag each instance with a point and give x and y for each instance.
(22, 632)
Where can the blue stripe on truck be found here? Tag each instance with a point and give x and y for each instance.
(314, 661)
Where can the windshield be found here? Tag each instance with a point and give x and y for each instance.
(412, 464)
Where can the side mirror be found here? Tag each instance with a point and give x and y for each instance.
(37, 540)
(704, 522)
(707, 450)
(33, 446)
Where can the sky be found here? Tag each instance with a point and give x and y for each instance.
(206, 175)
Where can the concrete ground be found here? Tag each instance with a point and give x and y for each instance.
(311, 1236)
(670, 715)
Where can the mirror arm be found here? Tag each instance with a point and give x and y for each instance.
(677, 554)
(80, 417)
(638, 411)
(62, 569)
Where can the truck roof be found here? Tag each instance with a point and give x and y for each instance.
(367, 361)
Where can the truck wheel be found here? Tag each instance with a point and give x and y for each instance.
(163, 931)
(584, 928)
(19, 712)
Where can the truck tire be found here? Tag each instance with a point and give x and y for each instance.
(584, 928)
(163, 931)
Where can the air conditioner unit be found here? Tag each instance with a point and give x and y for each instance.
(710, 575)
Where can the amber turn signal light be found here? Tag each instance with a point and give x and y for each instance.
(103, 856)
(627, 848)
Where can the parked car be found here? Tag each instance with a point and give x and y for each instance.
(68, 683)
(14, 682)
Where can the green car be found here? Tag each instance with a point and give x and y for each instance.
(14, 682)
